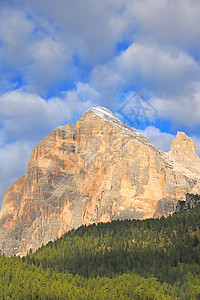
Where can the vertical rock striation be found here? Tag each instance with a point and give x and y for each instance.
(95, 171)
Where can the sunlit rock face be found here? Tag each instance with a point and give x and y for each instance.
(95, 171)
(183, 149)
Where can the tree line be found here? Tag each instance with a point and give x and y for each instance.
(130, 259)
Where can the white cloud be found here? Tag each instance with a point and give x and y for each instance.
(47, 44)
(43, 38)
(108, 83)
(26, 118)
(99, 25)
(91, 27)
(13, 163)
(165, 71)
(30, 53)
(174, 23)
(197, 144)
(162, 140)
(15, 34)
(157, 69)
(182, 110)
(51, 63)
(2, 137)
(25, 115)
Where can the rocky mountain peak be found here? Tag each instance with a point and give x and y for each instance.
(103, 112)
(98, 170)
(106, 115)
(183, 147)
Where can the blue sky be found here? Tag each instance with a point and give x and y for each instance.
(60, 58)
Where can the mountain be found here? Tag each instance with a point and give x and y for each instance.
(95, 171)
(128, 259)
(191, 202)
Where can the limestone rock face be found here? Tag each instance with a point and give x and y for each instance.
(95, 171)
(191, 202)
(183, 148)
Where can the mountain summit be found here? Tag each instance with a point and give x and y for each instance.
(95, 171)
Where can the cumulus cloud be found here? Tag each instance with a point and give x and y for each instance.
(42, 40)
(165, 71)
(25, 115)
(31, 54)
(197, 144)
(99, 25)
(15, 34)
(89, 53)
(174, 23)
(157, 69)
(92, 28)
(161, 140)
(13, 163)
(26, 118)
(183, 109)
(51, 64)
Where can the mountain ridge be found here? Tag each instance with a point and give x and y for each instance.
(95, 171)
(132, 259)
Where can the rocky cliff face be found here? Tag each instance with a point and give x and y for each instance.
(191, 202)
(95, 171)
